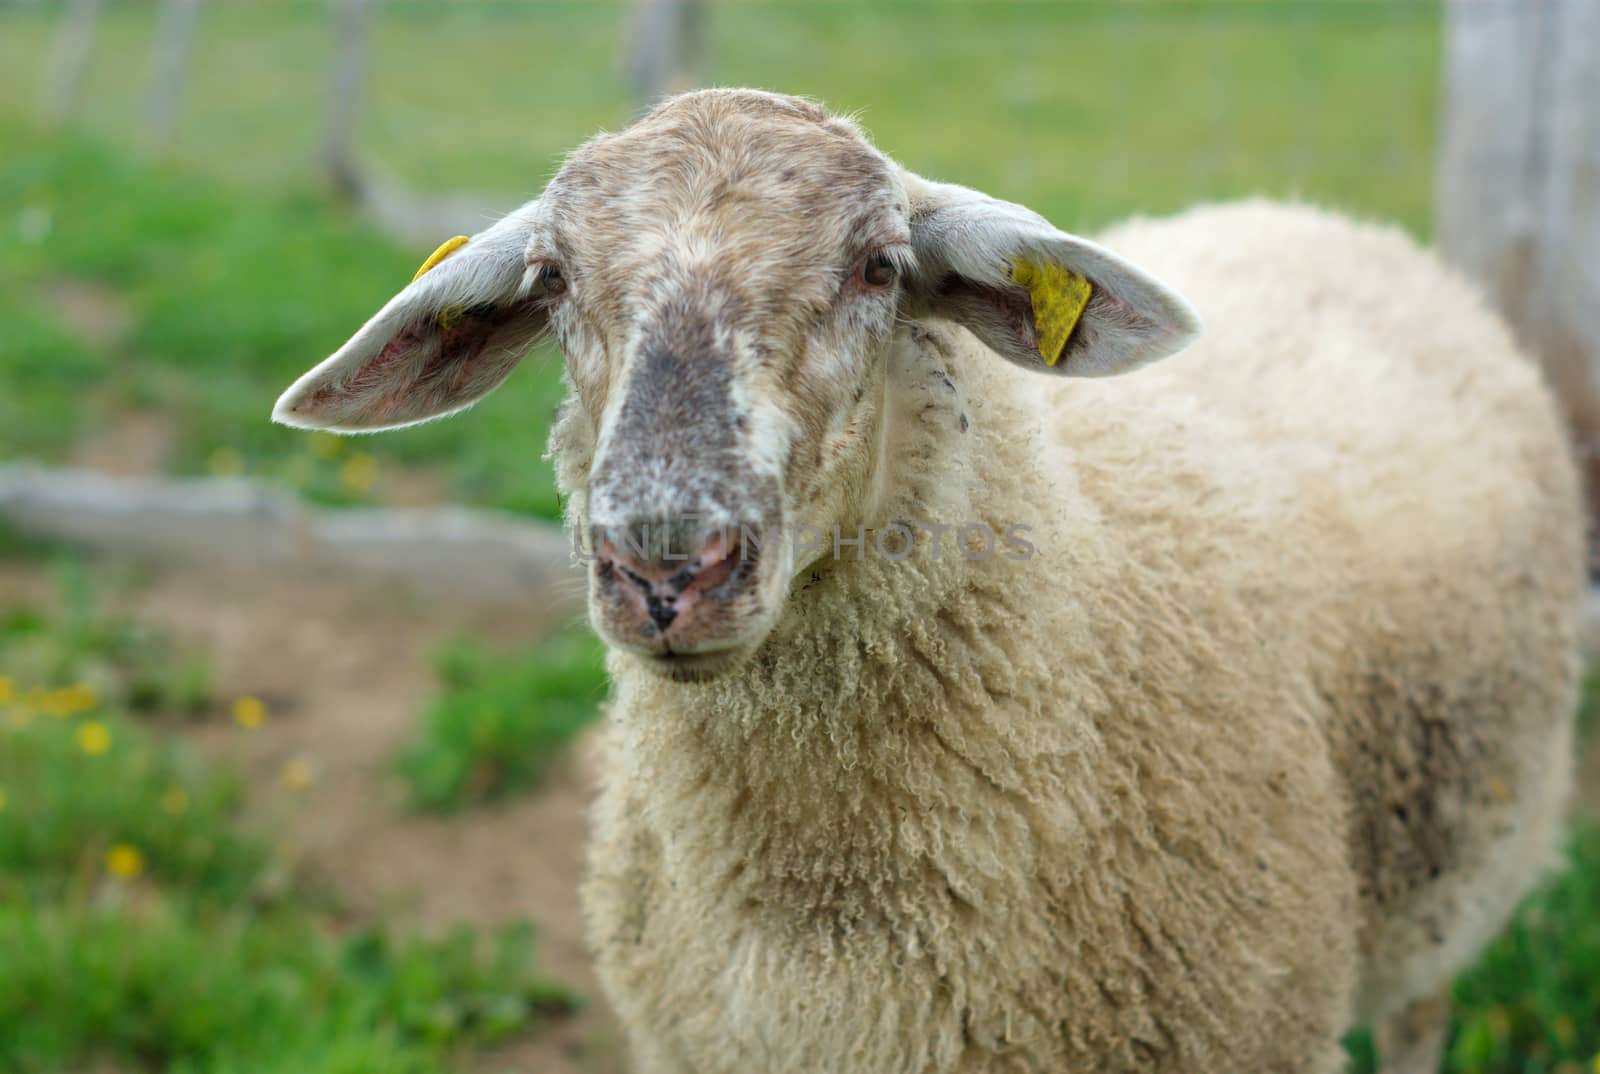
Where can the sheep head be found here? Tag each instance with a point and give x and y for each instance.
(723, 278)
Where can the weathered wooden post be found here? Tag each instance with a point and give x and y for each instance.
(1519, 183)
(69, 61)
(170, 67)
(344, 98)
(666, 47)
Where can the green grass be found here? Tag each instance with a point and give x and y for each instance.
(228, 299)
(159, 987)
(501, 719)
(1532, 1003)
(1084, 110)
(80, 778)
(122, 660)
(47, 372)
(21, 546)
(147, 924)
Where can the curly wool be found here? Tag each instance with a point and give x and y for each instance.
(1266, 739)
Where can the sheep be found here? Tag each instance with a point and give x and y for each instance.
(968, 720)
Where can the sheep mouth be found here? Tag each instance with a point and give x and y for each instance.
(684, 619)
(694, 667)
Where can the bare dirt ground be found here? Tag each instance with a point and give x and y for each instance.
(343, 670)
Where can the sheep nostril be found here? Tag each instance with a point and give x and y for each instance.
(662, 612)
(721, 562)
(662, 591)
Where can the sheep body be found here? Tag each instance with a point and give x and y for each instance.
(1266, 739)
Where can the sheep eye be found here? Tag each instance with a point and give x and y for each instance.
(551, 280)
(878, 271)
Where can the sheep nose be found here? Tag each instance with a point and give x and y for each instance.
(663, 581)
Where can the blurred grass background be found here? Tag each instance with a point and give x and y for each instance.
(1084, 111)
(155, 304)
(225, 271)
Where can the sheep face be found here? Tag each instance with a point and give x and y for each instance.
(724, 278)
(732, 267)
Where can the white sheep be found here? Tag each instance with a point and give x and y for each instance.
(1252, 725)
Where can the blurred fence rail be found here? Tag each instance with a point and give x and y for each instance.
(467, 556)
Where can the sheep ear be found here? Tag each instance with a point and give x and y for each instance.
(445, 341)
(1037, 296)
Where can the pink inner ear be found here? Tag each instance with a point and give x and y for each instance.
(377, 368)
(425, 369)
(1014, 308)
(453, 363)
(463, 345)
(994, 311)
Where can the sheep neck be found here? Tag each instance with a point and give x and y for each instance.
(887, 686)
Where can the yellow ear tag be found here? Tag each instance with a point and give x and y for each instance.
(1059, 297)
(446, 248)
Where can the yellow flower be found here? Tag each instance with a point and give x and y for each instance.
(93, 738)
(225, 462)
(359, 472)
(124, 861)
(175, 800)
(8, 690)
(79, 698)
(66, 701)
(326, 445)
(1597, 1063)
(297, 775)
(249, 712)
(2, 800)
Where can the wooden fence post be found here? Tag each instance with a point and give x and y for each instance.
(666, 49)
(169, 68)
(69, 61)
(1519, 184)
(352, 23)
